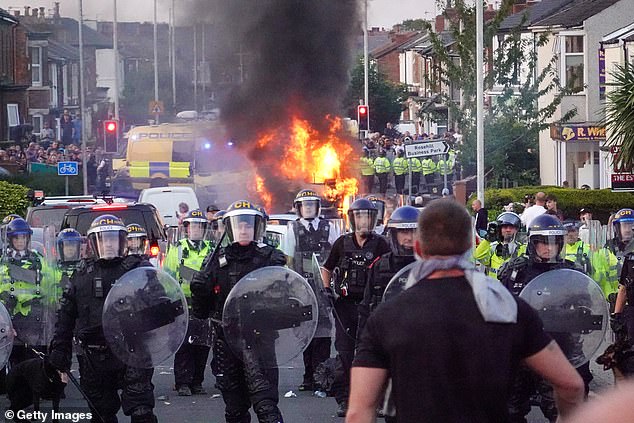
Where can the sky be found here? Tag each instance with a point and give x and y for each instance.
(381, 13)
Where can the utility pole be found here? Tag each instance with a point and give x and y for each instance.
(81, 97)
(195, 66)
(173, 55)
(156, 93)
(203, 67)
(480, 100)
(115, 42)
(366, 88)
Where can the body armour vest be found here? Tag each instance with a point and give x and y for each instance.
(352, 269)
(385, 269)
(308, 242)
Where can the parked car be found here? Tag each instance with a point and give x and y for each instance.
(167, 199)
(50, 211)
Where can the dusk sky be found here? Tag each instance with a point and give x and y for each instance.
(381, 13)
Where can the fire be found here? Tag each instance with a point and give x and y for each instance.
(266, 197)
(304, 155)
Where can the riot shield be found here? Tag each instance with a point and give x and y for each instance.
(397, 283)
(6, 336)
(51, 255)
(270, 316)
(325, 320)
(597, 235)
(573, 310)
(145, 317)
(200, 332)
(26, 294)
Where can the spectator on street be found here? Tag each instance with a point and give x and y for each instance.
(77, 129)
(390, 131)
(47, 135)
(441, 369)
(585, 216)
(532, 212)
(66, 128)
(551, 204)
(481, 217)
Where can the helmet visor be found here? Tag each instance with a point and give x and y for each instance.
(626, 230)
(109, 244)
(70, 251)
(507, 232)
(196, 230)
(363, 221)
(308, 209)
(245, 228)
(547, 248)
(138, 245)
(402, 241)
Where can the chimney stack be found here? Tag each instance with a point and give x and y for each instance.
(56, 10)
(34, 12)
(42, 13)
(27, 10)
(16, 13)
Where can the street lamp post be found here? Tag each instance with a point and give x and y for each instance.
(115, 42)
(480, 100)
(81, 96)
(156, 92)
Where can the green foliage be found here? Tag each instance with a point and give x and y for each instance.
(385, 98)
(602, 202)
(619, 113)
(13, 199)
(513, 120)
(412, 25)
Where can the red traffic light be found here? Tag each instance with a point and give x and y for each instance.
(363, 110)
(111, 126)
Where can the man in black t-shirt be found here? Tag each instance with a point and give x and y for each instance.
(347, 267)
(453, 354)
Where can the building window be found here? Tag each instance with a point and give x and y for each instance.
(36, 121)
(573, 58)
(36, 66)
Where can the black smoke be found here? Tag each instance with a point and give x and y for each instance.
(296, 58)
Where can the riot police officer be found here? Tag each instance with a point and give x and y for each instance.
(380, 213)
(344, 274)
(401, 228)
(242, 384)
(102, 373)
(500, 244)
(308, 235)
(69, 243)
(217, 228)
(27, 290)
(182, 262)
(546, 239)
(137, 240)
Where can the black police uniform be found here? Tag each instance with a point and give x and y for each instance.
(515, 275)
(102, 373)
(242, 384)
(308, 242)
(624, 327)
(348, 263)
(381, 272)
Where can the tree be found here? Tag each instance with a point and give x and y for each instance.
(412, 25)
(385, 98)
(619, 115)
(513, 119)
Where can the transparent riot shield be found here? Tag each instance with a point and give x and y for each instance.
(325, 319)
(597, 234)
(49, 241)
(573, 310)
(6, 336)
(145, 317)
(270, 316)
(397, 283)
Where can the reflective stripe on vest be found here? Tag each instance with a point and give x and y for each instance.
(400, 166)
(146, 169)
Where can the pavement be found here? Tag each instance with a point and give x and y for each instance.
(296, 406)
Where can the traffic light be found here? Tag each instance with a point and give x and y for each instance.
(110, 136)
(363, 117)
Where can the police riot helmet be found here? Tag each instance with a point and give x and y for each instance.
(623, 225)
(216, 221)
(572, 230)
(8, 218)
(195, 223)
(107, 237)
(380, 208)
(307, 204)
(137, 239)
(19, 234)
(546, 236)
(508, 219)
(401, 229)
(244, 222)
(69, 245)
(362, 216)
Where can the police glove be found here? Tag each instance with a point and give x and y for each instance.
(329, 293)
(617, 323)
(492, 232)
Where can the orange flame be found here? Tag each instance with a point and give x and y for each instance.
(307, 156)
(266, 196)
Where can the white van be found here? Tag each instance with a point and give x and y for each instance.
(167, 199)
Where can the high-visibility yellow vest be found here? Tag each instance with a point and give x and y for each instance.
(367, 166)
(382, 165)
(400, 166)
(416, 165)
(429, 166)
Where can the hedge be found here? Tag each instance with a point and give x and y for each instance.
(13, 199)
(602, 202)
(51, 184)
